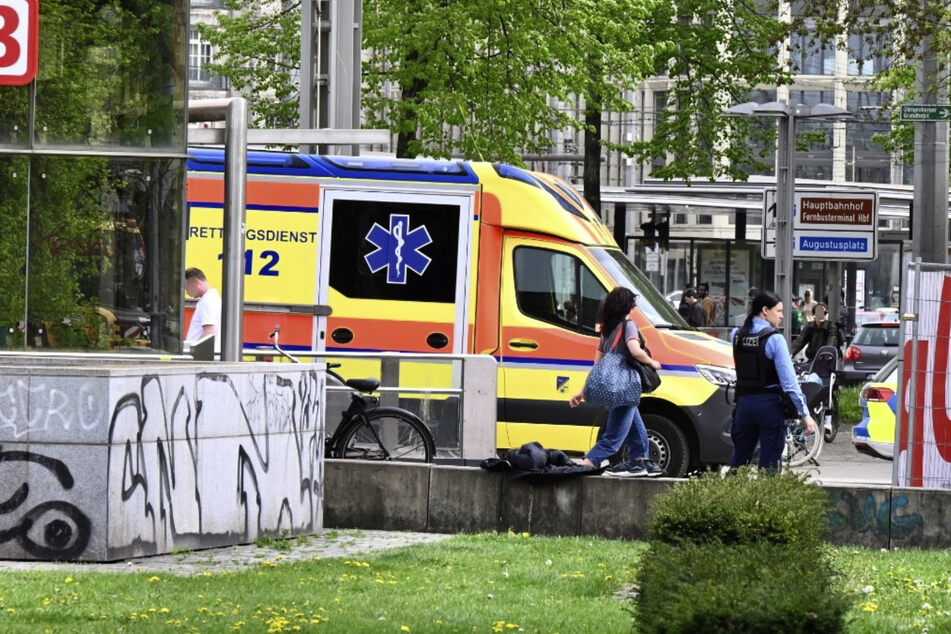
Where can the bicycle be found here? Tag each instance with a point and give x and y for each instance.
(368, 431)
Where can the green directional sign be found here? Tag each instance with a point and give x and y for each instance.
(926, 112)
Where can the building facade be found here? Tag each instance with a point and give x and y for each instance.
(92, 174)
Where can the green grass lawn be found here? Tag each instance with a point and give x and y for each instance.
(481, 583)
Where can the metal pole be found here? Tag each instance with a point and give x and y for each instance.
(913, 384)
(930, 228)
(785, 200)
(307, 74)
(835, 290)
(236, 150)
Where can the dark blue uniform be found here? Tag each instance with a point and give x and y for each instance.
(764, 370)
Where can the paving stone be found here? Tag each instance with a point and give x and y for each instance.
(330, 543)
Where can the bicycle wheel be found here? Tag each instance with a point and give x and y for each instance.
(800, 446)
(385, 433)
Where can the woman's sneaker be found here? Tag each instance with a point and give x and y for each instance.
(626, 469)
(652, 469)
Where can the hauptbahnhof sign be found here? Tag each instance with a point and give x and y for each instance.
(836, 225)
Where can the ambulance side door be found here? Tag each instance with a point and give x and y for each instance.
(550, 298)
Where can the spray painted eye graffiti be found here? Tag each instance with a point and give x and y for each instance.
(51, 530)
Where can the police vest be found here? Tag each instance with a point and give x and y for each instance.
(754, 370)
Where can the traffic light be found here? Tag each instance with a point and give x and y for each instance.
(663, 230)
(656, 230)
(649, 230)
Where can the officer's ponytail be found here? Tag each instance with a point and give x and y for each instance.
(765, 299)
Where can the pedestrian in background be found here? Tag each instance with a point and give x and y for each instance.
(764, 372)
(709, 306)
(625, 425)
(808, 305)
(696, 315)
(817, 332)
(207, 315)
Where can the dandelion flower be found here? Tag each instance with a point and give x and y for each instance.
(548, 562)
(868, 589)
(925, 606)
(154, 579)
(404, 628)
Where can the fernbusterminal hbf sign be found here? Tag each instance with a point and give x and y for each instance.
(839, 225)
(19, 41)
(827, 224)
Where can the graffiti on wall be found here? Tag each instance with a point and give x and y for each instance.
(27, 406)
(889, 518)
(191, 460)
(54, 529)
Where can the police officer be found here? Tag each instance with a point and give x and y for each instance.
(764, 371)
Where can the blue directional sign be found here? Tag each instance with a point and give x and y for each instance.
(826, 223)
(834, 244)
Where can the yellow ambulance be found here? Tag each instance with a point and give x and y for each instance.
(458, 257)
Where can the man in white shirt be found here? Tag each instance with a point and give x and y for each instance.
(207, 313)
(808, 305)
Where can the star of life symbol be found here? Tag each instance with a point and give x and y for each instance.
(398, 249)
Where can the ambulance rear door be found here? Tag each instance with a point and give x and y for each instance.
(394, 266)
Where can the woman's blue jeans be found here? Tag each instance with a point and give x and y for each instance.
(624, 426)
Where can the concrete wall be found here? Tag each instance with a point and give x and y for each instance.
(465, 499)
(104, 463)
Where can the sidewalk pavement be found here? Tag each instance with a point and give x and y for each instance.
(329, 543)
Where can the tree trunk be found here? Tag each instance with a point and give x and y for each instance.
(408, 95)
(592, 153)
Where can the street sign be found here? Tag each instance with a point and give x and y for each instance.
(826, 224)
(839, 245)
(19, 41)
(925, 112)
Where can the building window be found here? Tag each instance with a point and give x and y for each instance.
(865, 160)
(811, 56)
(199, 57)
(704, 219)
(867, 58)
(680, 219)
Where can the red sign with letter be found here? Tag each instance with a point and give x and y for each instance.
(19, 41)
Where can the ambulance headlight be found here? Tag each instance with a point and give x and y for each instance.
(717, 375)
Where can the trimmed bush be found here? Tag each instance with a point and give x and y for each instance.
(743, 508)
(758, 587)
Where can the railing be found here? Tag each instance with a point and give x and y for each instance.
(461, 415)
(200, 78)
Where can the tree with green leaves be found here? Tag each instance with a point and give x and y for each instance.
(900, 30)
(488, 79)
(258, 50)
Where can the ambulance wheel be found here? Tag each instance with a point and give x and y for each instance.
(668, 447)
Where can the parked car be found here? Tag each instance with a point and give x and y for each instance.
(875, 433)
(674, 298)
(865, 316)
(875, 344)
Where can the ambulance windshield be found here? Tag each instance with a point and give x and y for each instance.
(655, 307)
